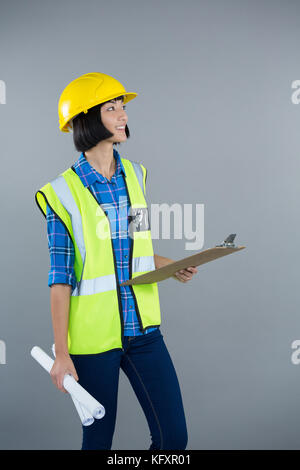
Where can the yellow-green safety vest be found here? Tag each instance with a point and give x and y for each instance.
(96, 322)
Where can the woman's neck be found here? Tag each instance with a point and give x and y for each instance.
(102, 159)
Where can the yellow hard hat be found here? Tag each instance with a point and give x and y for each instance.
(87, 91)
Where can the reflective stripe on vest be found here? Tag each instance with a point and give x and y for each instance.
(139, 174)
(62, 189)
(105, 283)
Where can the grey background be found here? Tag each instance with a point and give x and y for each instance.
(214, 124)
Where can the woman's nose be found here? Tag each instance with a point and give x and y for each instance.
(123, 116)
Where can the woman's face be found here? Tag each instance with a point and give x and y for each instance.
(114, 118)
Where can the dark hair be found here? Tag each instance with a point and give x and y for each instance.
(88, 128)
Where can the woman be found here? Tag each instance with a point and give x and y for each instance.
(100, 326)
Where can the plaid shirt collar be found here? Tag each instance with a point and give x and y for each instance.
(89, 175)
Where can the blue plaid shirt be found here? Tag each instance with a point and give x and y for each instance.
(61, 247)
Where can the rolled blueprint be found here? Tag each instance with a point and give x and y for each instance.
(74, 388)
(84, 415)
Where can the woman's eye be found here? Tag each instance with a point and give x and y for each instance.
(124, 106)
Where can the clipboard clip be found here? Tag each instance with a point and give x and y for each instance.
(229, 241)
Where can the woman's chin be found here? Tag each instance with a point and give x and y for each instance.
(120, 139)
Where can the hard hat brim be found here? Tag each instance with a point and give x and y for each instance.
(128, 96)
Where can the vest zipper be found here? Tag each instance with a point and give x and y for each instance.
(116, 276)
(130, 274)
(118, 291)
(133, 294)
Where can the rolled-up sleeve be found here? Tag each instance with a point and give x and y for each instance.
(61, 250)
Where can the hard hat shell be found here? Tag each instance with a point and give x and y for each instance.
(87, 91)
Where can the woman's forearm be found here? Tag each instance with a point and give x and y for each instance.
(60, 302)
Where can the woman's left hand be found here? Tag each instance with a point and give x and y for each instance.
(186, 274)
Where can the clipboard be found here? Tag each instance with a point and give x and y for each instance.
(157, 275)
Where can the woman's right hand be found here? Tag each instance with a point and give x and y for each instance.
(63, 365)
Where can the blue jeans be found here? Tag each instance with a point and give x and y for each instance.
(150, 370)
